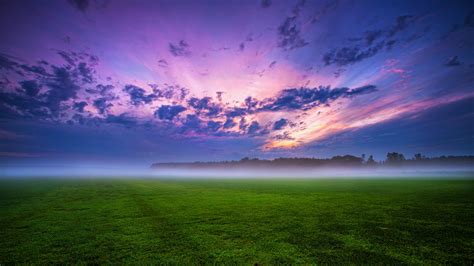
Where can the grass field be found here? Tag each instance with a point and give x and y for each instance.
(237, 221)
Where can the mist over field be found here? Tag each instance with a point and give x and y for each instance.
(113, 171)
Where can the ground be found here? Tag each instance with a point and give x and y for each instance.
(237, 221)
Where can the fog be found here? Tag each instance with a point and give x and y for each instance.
(140, 171)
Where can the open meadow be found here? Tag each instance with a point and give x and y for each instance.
(236, 221)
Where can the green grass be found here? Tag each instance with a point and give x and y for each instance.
(237, 221)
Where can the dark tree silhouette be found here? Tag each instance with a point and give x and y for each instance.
(371, 160)
(394, 157)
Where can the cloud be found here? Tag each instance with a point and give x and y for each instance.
(469, 20)
(102, 105)
(122, 119)
(191, 123)
(453, 61)
(7, 62)
(86, 72)
(179, 49)
(253, 127)
(371, 36)
(289, 34)
(229, 123)
(349, 55)
(401, 23)
(13, 105)
(213, 126)
(30, 87)
(280, 124)
(79, 106)
(256, 129)
(205, 103)
(65, 93)
(81, 5)
(163, 63)
(45, 88)
(170, 92)
(371, 43)
(265, 3)
(307, 98)
(236, 111)
(138, 95)
(168, 112)
(62, 88)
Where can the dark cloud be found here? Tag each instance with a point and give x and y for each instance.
(229, 123)
(401, 23)
(253, 127)
(371, 43)
(307, 98)
(265, 3)
(236, 111)
(213, 126)
(46, 88)
(7, 62)
(328, 7)
(469, 20)
(62, 88)
(191, 123)
(280, 124)
(371, 36)
(467, 23)
(179, 49)
(82, 5)
(138, 95)
(86, 72)
(349, 55)
(206, 104)
(79, 106)
(453, 61)
(289, 34)
(170, 92)
(38, 70)
(163, 63)
(168, 112)
(122, 119)
(361, 90)
(243, 124)
(30, 87)
(106, 91)
(79, 119)
(251, 103)
(102, 105)
(13, 105)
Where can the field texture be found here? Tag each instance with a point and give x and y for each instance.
(237, 221)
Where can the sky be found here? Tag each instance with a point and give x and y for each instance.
(97, 81)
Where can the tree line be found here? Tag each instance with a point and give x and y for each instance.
(392, 159)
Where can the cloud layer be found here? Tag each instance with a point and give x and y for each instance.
(276, 76)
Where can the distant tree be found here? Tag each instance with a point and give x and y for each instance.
(395, 157)
(371, 160)
(363, 157)
(346, 160)
(245, 159)
(419, 157)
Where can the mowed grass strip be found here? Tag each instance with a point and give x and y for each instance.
(237, 221)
